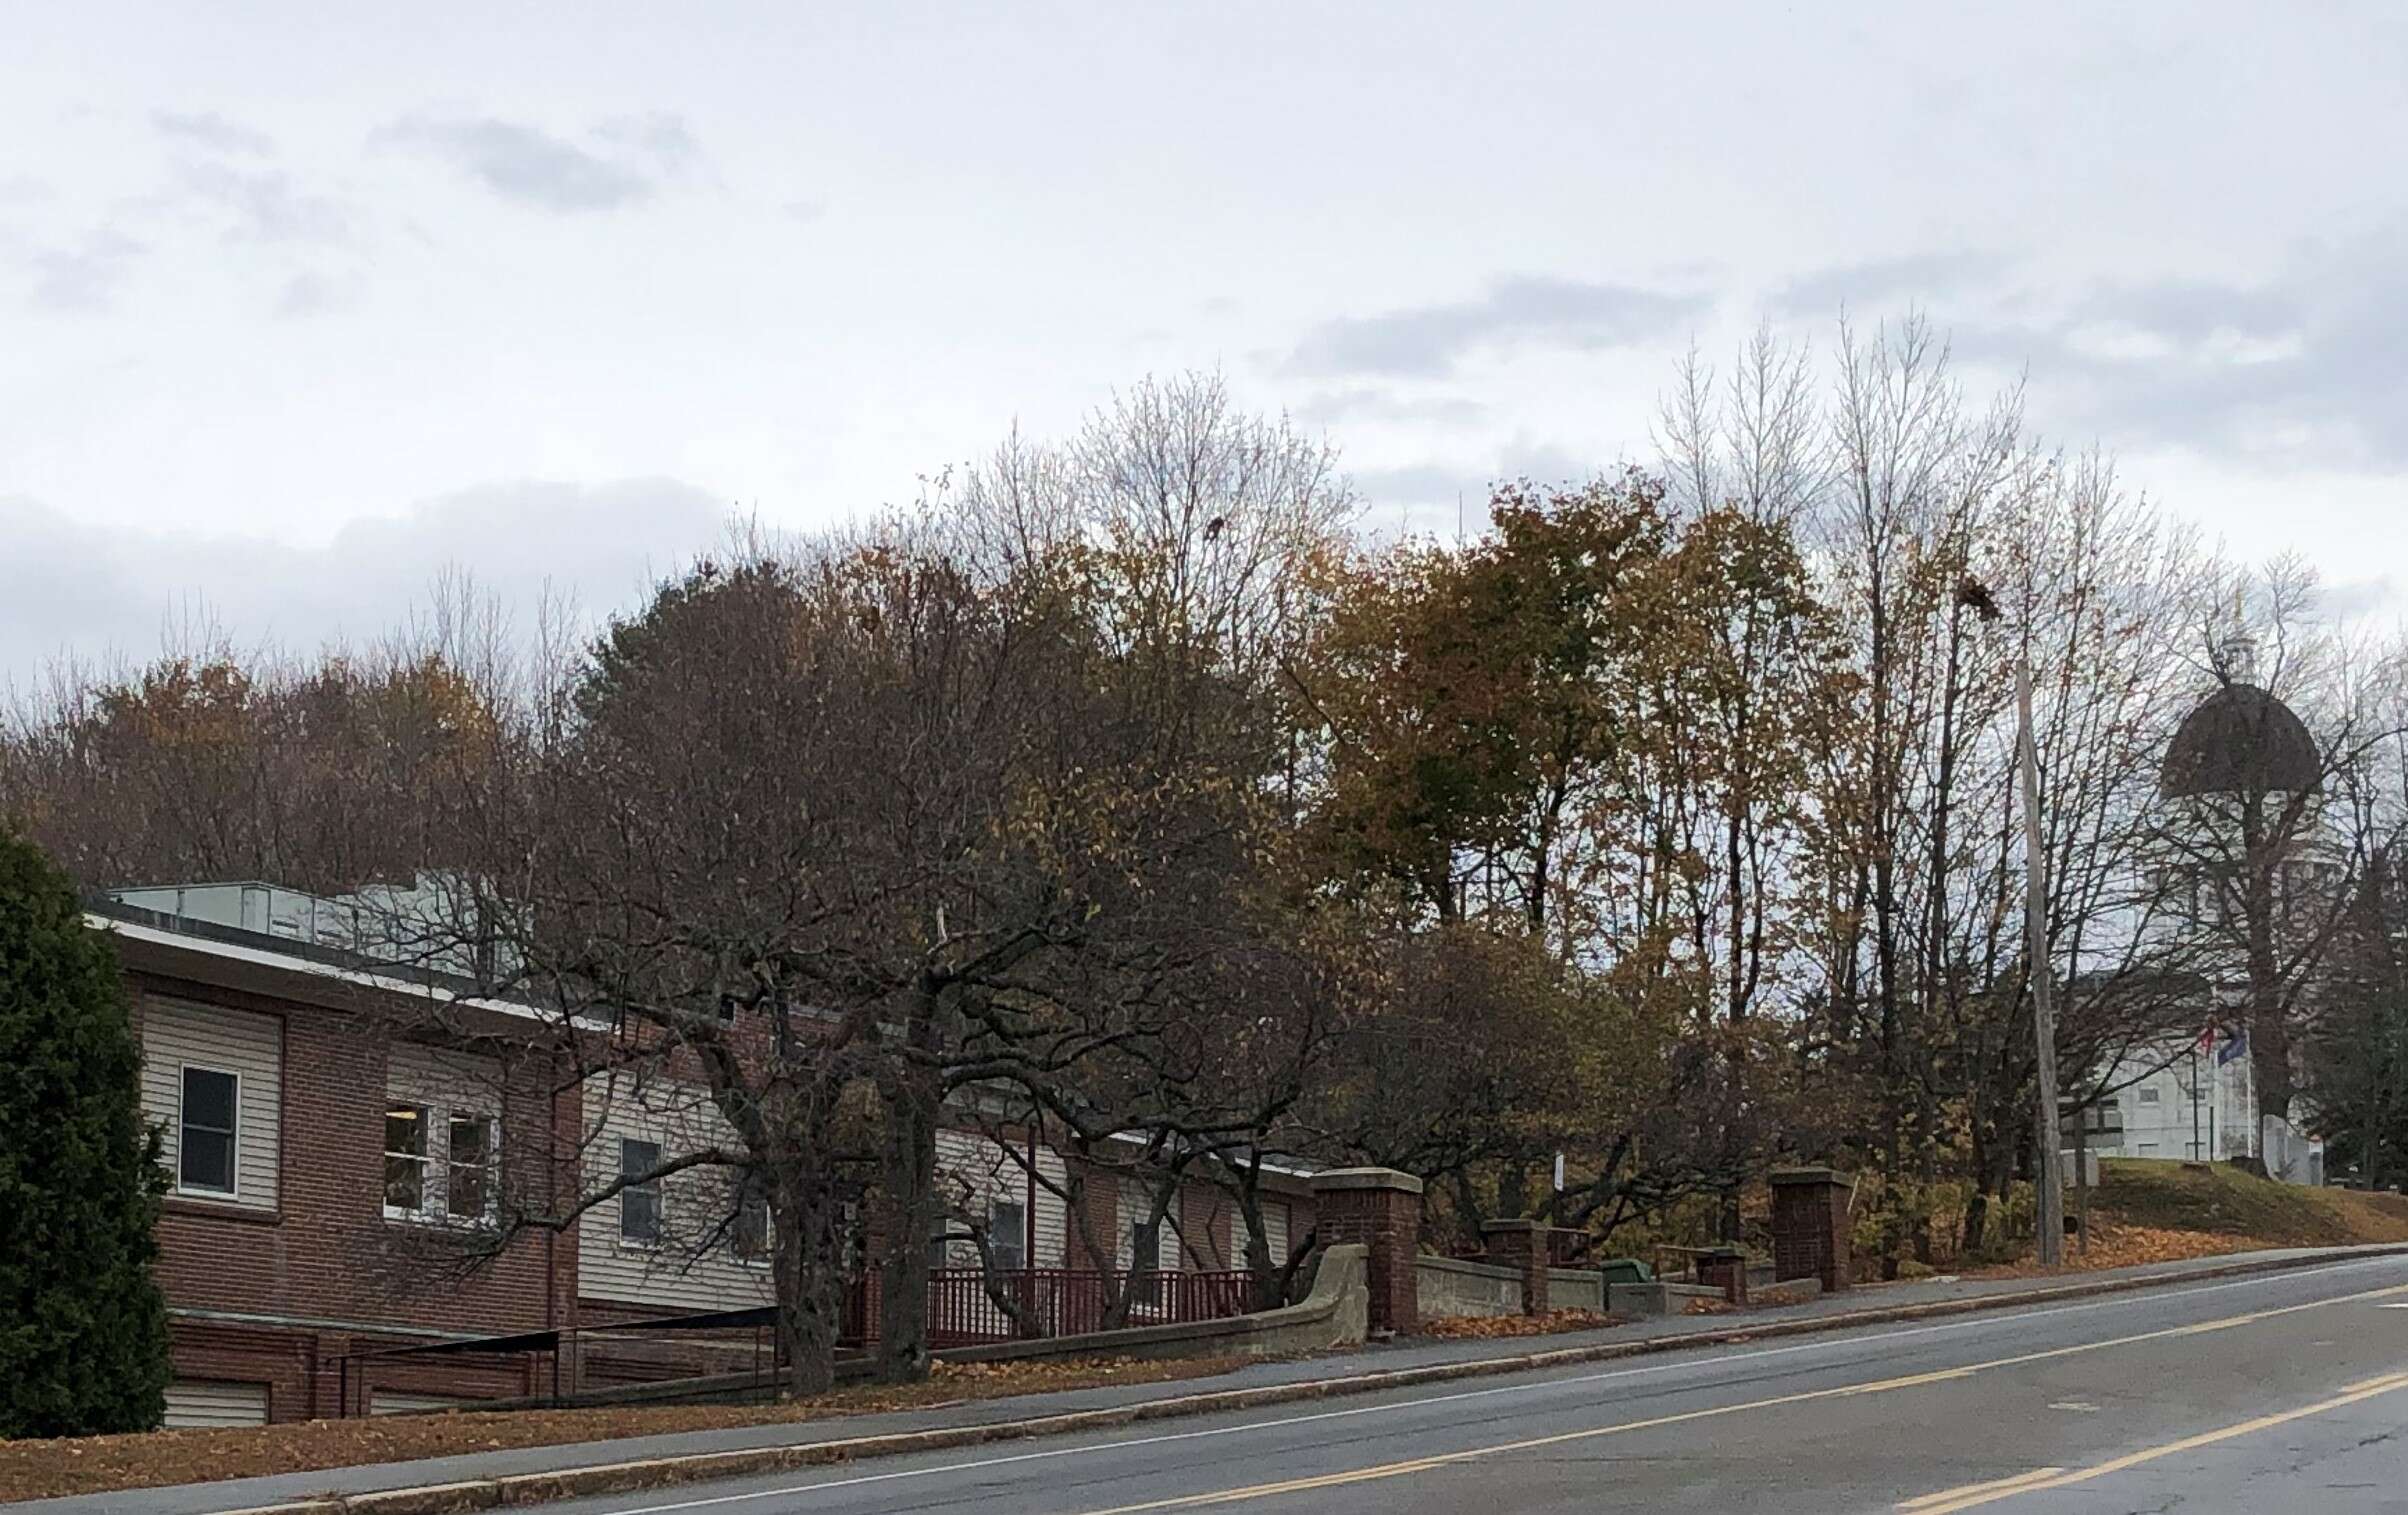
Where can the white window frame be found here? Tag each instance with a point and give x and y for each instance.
(234, 1137)
(434, 1184)
(658, 1189)
(427, 1209)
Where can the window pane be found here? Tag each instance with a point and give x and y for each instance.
(1007, 1233)
(751, 1231)
(470, 1152)
(640, 1203)
(405, 1182)
(405, 1157)
(209, 1099)
(205, 1160)
(639, 1216)
(405, 1131)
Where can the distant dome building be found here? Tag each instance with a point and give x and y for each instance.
(2241, 740)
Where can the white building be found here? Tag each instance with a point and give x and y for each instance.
(2195, 1101)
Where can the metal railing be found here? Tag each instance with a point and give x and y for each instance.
(1056, 1301)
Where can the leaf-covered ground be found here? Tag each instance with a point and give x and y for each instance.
(2147, 1211)
(89, 1465)
(1497, 1327)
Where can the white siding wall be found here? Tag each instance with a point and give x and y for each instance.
(977, 1164)
(175, 1033)
(1136, 1203)
(679, 1274)
(1275, 1231)
(199, 1402)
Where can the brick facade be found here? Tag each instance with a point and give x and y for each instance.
(1811, 1226)
(288, 1297)
(1379, 1208)
(1527, 1245)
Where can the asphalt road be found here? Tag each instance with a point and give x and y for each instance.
(2278, 1393)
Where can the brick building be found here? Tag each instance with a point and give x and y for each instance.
(339, 1139)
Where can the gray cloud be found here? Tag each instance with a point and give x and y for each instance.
(663, 139)
(266, 205)
(807, 211)
(1433, 494)
(2308, 367)
(1374, 403)
(87, 275)
(1428, 341)
(532, 167)
(94, 592)
(312, 293)
(1917, 278)
(214, 132)
(2353, 599)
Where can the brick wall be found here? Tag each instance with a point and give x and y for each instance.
(326, 1259)
(1381, 1210)
(328, 1251)
(1811, 1226)
(1207, 1219)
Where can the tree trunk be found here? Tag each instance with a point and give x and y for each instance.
(810, 1277)
(907, 1185)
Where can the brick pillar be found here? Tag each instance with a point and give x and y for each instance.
(1725, 1268)
(1810, 1225)
(1526, 1245)
(1380, 1208)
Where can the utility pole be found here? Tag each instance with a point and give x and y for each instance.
(1973, 595)
(2044, 1018)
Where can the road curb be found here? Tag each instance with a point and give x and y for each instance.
(667, 1472)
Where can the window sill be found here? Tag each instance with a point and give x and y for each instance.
(434, 1221)
(219, 1209)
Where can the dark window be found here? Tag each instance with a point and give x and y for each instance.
(1145, 1263)
(639, 1202)
(468, 1164)
(405, 1159)
(1007, 1233)
(749, 1235)
(205, 1131)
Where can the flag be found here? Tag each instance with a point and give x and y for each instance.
(2236, 1045)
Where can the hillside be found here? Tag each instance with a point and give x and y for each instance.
(2222, 1200)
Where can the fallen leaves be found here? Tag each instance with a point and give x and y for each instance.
(2121, 1246)
(1498, 1327)
(90, 1465)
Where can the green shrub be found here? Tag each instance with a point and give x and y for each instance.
(83, 1332)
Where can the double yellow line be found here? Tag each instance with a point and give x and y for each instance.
(1963, 1498)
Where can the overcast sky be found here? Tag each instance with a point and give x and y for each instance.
(299, 303)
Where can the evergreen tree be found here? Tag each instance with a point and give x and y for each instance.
(83, 1332)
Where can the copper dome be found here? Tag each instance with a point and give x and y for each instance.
(2241, 740)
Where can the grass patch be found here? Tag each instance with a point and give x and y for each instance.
(2219, 1199)
(2149, 1210)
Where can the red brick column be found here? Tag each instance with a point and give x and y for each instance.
(1725, 1268)
(1810, 1225)
(1529, 1246)
(1381, 1209)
